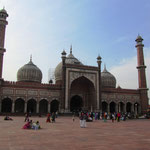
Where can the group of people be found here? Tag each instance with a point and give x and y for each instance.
(90, 116)
(83, 116)
(51, 117)
(36, 125)
(32, 125)
(116, 116)
(112, 116)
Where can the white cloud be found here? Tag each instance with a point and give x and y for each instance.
(121, 39)
(127, 74)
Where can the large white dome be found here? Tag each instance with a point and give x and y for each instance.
(29, 73)
(107, 79)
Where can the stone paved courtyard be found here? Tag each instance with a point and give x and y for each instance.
(67, 135)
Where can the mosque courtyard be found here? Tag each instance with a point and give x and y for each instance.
(65, 134)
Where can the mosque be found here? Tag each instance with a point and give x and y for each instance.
(77, 86)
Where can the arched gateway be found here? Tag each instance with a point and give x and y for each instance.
(82, 95)
(76, 103)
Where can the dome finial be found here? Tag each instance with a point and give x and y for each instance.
(31, 57)
(71, 49)
(105, 67)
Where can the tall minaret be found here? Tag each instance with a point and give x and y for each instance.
(141, 74)
(99, 61)
(3, 23)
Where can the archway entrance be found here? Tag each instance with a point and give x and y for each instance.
(129, 105)
(112, 107)
(54, 106)
(104, 107)
(43, 106)
(84, 87)
(76, 104)
(31, 106)
(19, 105)
(6, 105)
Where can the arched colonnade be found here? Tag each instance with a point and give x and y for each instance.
(7, 105)
(121, 107)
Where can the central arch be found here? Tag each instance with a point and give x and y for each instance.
(85, 88)
(76, 103)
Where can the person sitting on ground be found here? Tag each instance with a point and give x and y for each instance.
(36, 125)
(7, 118)
(28, 125)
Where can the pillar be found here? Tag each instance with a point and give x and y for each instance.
(37, 107)
(25, 107)
(132, 108)
(125, 109)
(49, 106)
(0, 106)
(119, 107)
(136, 109)
(13, 107)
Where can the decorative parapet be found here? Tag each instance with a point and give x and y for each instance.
(31, 84)
(117, 97)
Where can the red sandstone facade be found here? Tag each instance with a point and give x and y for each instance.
(78, 87)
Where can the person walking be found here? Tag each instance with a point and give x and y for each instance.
(112, 117)
(48, 117)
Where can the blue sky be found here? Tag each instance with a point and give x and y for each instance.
(44, 28)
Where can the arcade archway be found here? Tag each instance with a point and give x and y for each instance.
(54, 106)
(19, 105)
(128, 107)
(76, 104)
(112, 107)
(43, 106)
(104, 107)
(84, 87)
(6, 105)
(31, 106)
